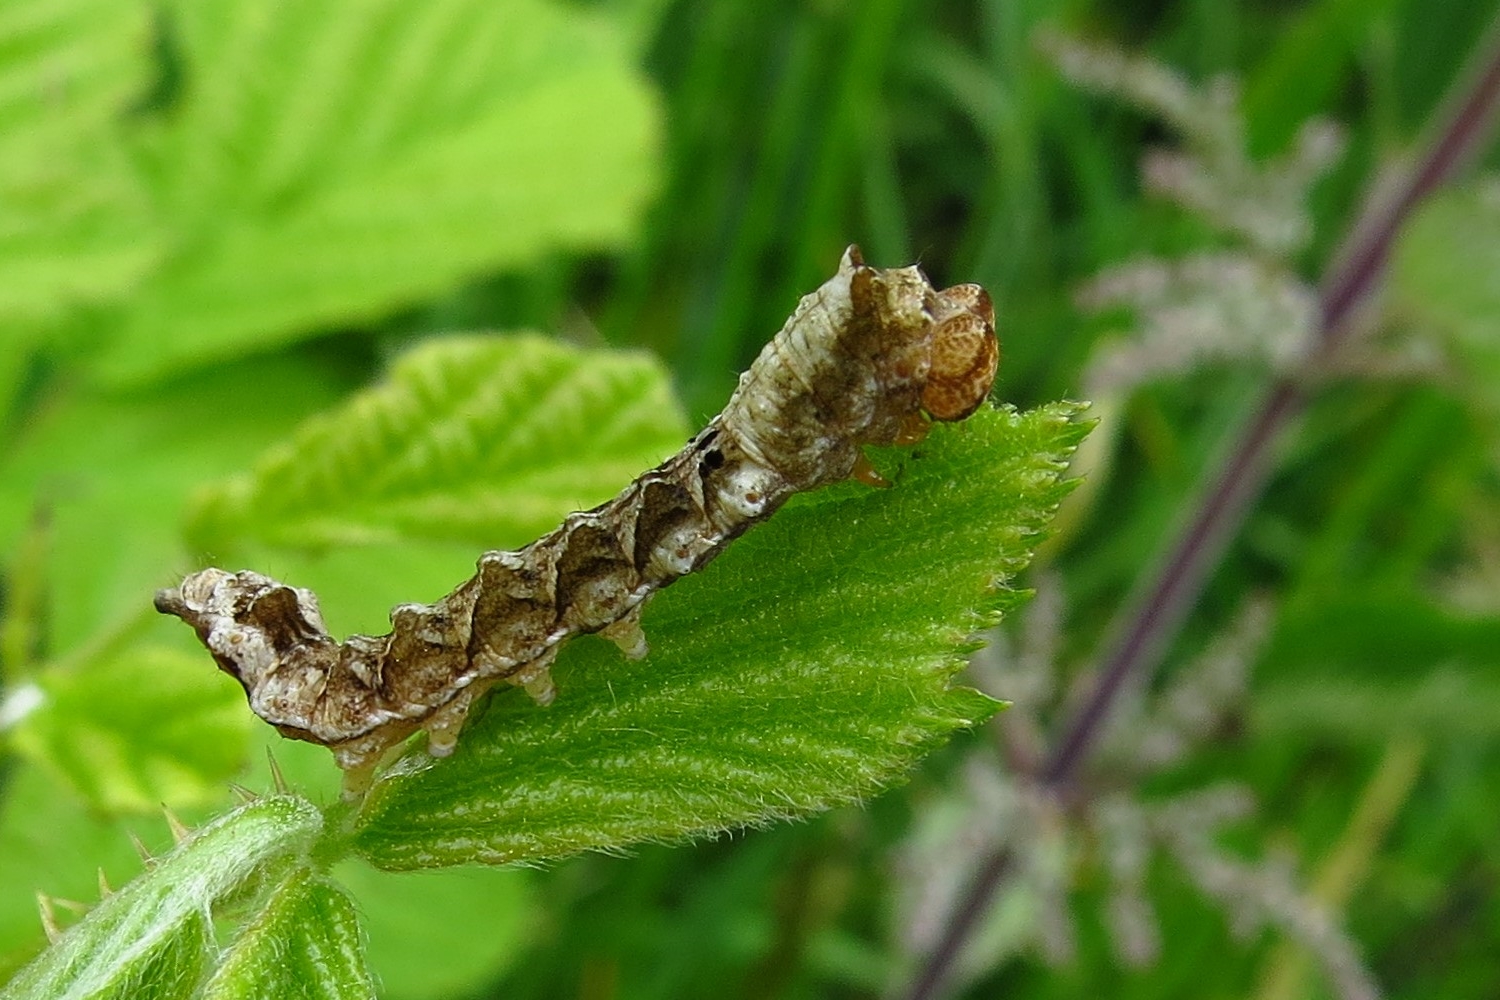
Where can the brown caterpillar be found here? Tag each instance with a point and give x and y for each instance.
(864, 359)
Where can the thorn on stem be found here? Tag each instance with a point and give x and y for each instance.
(49, 918)
(278, 780)
(180, 832)
(48, 906)
(140, 848)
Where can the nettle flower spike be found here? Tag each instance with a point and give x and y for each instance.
(866, 359)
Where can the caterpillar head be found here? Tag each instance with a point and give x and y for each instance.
(964, 353)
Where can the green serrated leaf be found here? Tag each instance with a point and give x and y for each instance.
(808, 666)
(488, 440)
(304, 944)
(151, 925)
(138, 727)
(73, 218)
(330, 160)
(1445, 275)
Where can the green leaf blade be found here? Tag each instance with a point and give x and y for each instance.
(305, 944)
(807, 667)
(486, 440)
(331, 162)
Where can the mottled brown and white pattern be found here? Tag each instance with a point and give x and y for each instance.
(864, 359)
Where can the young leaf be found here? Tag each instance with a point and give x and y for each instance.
(149, 938)
(303, 945)
(138, 727)
(329, 160)
(75, 222)
(489, 440)
(807, 667)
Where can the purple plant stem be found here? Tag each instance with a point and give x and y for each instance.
(1153, 621)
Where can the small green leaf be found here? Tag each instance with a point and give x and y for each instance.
(330, 160)
(303, 945)
(489, 440)
(1445, 274)
(155, 925)
(137, 727)
(808, 666)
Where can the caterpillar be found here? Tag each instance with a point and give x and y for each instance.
(866, 359)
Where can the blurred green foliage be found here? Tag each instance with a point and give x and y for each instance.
(217, 220)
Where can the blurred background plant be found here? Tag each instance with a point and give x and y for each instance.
(207, 209)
